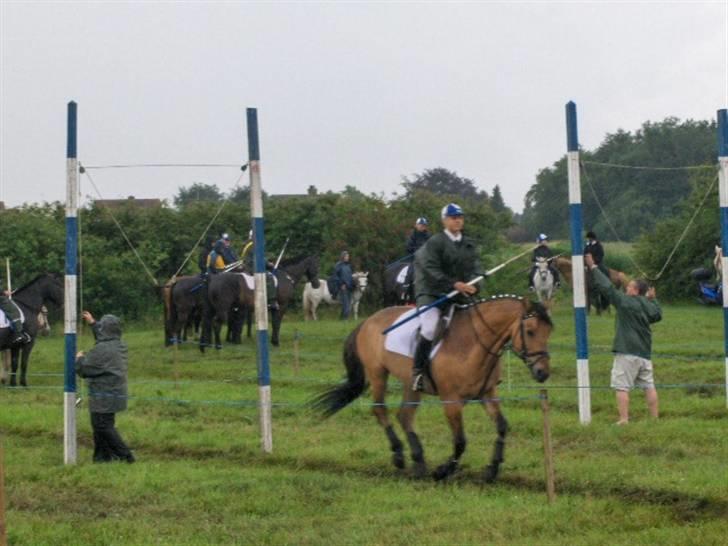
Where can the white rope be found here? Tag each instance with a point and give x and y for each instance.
(219, 210)
(682, 235)
(646, 168)
(121, 229)
(164, 165)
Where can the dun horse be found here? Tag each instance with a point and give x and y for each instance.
(30, 298)
(466, 367)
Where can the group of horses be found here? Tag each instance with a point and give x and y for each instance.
(229, 298)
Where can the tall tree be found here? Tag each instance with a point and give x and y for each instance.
(197, 192)
(441, 181)
(496, 200)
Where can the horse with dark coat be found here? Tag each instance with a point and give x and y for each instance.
(230, 289)
(30, 298)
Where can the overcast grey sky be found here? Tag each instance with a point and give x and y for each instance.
(347, 93)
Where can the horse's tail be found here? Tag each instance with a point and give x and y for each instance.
(336, 398)
(169, 312)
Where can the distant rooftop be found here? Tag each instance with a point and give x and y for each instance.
(131, 200)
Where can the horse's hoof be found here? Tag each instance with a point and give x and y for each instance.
(275, 343)
(23, 383)
(444, 470)
(398, 459)
(491, 473)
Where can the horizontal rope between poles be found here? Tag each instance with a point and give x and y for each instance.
(648, 168)
(164, 165)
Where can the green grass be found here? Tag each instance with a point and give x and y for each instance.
(201, 477)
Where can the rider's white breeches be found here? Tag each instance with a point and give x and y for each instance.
(428, 322)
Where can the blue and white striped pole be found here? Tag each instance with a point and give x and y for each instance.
(261, 298)
(577, 266)
(723, 192)
(69, 293)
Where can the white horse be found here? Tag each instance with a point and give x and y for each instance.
(543, 281)
(313, 297)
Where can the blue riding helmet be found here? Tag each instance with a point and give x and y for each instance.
(451, 209)
(422, 221)
(225, 237)
(542, 237)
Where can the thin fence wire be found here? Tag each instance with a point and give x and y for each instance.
(682, 235)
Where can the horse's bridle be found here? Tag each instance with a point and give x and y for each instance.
(523, 354)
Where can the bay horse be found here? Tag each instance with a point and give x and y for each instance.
(619, 279)
(466, 367)
(30, 298)
(183, 306)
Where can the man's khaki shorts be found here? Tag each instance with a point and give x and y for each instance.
(630, 371)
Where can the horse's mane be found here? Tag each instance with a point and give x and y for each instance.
(35, 280)
(535, 308)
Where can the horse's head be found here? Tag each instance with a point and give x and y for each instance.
(52, 289)
(361, 279)
(530, 340)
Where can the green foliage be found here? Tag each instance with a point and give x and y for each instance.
(696, 250)
(198, 192)
(634, 200)
(443, 182)
(373, 229)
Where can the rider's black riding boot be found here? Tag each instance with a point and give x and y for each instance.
(19, 336)
(422, 361)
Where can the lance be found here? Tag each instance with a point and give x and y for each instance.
(454, 293)
(281, 254)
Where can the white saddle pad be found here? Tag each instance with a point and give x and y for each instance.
(402, 275)
(403, 340)
(250, 280)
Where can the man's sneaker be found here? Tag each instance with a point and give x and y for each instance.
(531, 289)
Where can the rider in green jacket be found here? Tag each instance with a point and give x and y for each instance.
(446, 262)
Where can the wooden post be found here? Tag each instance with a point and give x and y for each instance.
(3, 525)
(296, 343)
(547, 450)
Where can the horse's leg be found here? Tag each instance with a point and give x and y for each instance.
(276, 320)
(406, 417)
(454, 414)
(492, 406)
(14, 366)
(24, 359)
(379, 388)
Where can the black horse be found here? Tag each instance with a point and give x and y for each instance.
(227, 291)
(30, 298)
(183, 307)
(395, 291)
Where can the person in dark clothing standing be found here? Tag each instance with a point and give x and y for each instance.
(637, 309)
(543, 251)
(595, 248)
(448, 261)
(105, 370)
(419, 237)
(344, 279)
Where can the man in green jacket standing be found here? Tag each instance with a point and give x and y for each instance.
(105, 370)
(446, 262)
(636, 309)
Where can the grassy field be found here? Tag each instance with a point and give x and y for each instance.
(201, 477)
